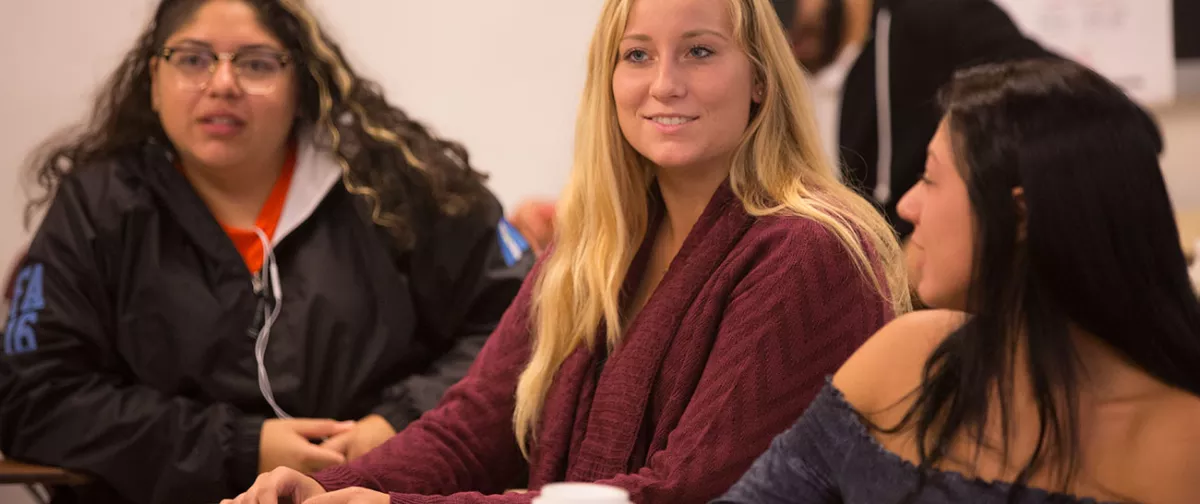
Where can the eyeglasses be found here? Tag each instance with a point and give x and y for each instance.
(258, 70)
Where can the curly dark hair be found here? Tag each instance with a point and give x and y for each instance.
(387, 158)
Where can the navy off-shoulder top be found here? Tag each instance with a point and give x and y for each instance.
(828, 456)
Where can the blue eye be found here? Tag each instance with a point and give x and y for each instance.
(635, 56)
(700, 52)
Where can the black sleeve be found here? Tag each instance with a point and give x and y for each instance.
(68, 399)
(979, 31)
(464, 274)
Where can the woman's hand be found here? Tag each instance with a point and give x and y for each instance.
(368, 433)
(353, 495)
(534, 219)
(287, 443)
(281, 483)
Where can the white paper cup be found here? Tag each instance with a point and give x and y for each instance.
(581, 493)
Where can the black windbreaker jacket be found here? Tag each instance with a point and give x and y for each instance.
(129, 351)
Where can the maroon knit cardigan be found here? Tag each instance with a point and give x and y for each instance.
(750, 318)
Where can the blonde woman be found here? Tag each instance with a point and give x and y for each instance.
(709, 272)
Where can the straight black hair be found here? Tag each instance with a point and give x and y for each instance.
(1095, 246)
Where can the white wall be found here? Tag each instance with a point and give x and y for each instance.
(502, 77)
(54, 53)
(1181, 160)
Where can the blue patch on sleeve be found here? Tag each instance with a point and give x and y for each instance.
(27, 303)
(512, 245)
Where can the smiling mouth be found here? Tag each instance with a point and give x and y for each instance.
(672, 120)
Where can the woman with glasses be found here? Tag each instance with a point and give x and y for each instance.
(246, 245)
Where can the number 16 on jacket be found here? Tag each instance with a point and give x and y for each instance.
(27, 302)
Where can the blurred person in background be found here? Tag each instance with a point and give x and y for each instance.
(876, 66)
(709, 272)
(245, 245)
(1060, 361)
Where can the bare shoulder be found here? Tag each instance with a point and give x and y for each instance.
(1187, 419)
(889, 365)
(1166, 454)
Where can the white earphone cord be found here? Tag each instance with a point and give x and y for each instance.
(269, 279)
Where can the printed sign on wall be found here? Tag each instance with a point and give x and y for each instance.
(1129, 41)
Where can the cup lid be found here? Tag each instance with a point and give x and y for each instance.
(584, 493)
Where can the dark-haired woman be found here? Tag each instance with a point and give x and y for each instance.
(1063, 364)
(246, 245)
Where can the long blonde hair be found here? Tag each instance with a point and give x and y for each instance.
(779, 169)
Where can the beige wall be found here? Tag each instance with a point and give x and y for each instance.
(469, 68)
(484, 73)
(54, 53)
(1181, 161)
(472, 69)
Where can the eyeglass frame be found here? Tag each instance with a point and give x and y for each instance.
(284, 58)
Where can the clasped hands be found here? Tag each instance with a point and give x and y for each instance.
(287, 453)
